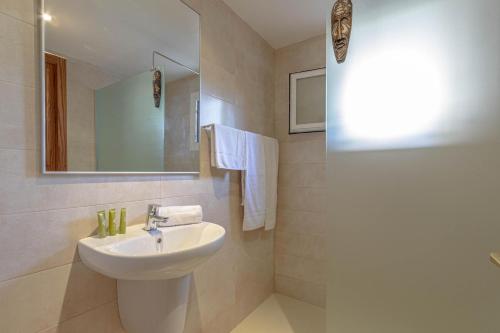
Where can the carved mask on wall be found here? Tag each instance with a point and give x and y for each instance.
(157, 87)
(341, 28)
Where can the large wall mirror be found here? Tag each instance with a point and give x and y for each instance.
(120, 87)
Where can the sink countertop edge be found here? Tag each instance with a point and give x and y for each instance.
(94, 253)
(97, 244)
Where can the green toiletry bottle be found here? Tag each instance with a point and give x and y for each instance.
(123, 221)
(101, 226)
(111, 222)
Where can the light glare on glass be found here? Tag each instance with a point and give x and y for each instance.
(392, 94)
(47, 17)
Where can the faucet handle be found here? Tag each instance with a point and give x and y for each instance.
(153, 209)
(150, 218)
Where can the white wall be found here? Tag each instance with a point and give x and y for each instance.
(413, 210)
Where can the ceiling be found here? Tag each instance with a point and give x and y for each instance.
(283, 22)
(119, 36)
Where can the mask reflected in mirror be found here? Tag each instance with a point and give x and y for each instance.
(157, 87)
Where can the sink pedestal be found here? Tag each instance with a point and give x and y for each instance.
(154, 306)
(153, 270)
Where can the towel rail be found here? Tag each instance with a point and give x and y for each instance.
(205, 127)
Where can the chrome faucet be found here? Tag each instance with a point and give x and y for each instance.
(153, 221)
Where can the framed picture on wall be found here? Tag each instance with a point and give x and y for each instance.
(307, 101)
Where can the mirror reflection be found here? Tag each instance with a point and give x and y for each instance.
(122, 86)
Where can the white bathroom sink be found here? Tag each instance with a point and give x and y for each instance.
(167, 253)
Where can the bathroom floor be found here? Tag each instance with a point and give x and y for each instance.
(282, 314)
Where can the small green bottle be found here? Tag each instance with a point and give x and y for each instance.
(123, 221)
(111, 222)
(101, 227)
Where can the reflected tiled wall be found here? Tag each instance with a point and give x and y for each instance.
(179, 153)
(300, 237)
(82, 81)
(44, 287)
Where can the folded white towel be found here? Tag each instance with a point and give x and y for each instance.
(227, 147)
(179, 215)
(183, 218)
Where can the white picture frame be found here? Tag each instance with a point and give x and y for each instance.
(294, 126)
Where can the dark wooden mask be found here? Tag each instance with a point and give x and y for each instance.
(157, 87)
(341, 28)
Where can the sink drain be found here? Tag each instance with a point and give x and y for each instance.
(159, 244)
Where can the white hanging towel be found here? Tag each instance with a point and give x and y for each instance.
(272, 156)
(260, 182)
(227, 147)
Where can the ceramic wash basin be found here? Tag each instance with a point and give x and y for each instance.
(166, 253)
(153, 271)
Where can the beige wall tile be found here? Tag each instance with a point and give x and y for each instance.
(306, 199)
(218, 36)
(306, 223)
(27, 192)
(217, 271)
(299, 243)
(302, 175)
(212, 292)
(256, 123)
(216, 299)
(310, 292)
(252, 99)
(216, 110)
(43, 299)
(20, 9)
(53, 236)
(303, 151)
(24, 195)
(218, 82)
(17, 54)
(17, 105)
(300, 268)
(12, 162)
(305, 55)
(102, 319)
(184, 187)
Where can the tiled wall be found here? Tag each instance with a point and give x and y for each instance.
(44, 287)
(300, 237)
